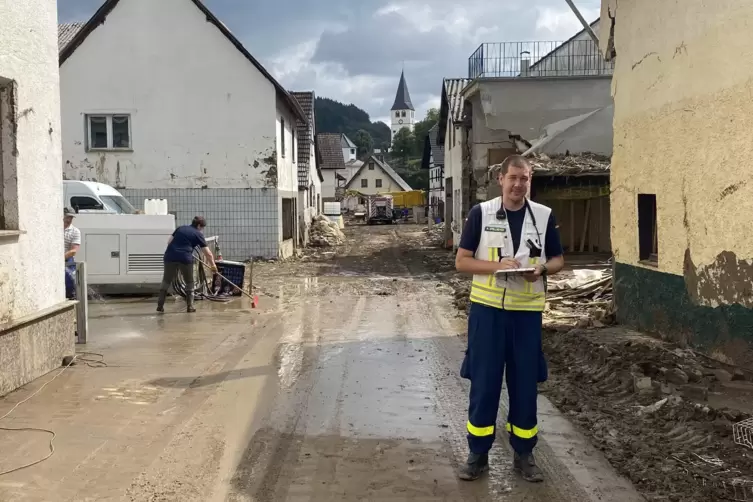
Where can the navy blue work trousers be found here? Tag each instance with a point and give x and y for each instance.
(70, 278)
(503, 342)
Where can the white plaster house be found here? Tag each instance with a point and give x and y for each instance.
(160, 100)
(433, 161)
(350, 150)
(309, 175)
(330, 159)
(451, 137)
(402, 113)
(36, 321)
(375, 177)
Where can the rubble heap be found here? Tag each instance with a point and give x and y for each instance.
(325, 233)
(660, 413)
(583, 300)
(584, 164)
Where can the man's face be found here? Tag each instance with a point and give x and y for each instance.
(515, 183)
(67, 220)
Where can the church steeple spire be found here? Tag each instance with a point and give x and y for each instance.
(402, 97)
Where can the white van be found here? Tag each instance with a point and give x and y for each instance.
(122, 248)
(92, 197)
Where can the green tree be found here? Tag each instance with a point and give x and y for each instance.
(421, 130)
(403, 146)
(364, 142)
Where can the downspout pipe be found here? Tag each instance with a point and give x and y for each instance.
(585, 24)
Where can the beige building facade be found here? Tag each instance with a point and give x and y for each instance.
(682, 196)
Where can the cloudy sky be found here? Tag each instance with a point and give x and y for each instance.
(353, 50)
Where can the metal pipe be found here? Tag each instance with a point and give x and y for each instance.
(585, 24)
(82, 307)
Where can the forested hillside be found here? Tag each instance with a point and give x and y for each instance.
(405, 154)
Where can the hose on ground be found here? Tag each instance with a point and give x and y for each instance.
(203, 286)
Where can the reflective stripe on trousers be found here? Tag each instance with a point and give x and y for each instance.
(500, 340)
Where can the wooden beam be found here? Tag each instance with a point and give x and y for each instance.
(572, 226)
(585, 226)
(601, 222)
(593, 234)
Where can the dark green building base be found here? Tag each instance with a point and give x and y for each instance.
(657, 302)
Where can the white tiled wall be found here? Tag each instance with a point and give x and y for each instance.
(246, 220)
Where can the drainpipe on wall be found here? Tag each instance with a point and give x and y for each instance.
(585, 24)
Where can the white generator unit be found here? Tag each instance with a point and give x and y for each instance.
(123, 252)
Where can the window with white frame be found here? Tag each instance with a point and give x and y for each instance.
(282, 137)
(108, 131)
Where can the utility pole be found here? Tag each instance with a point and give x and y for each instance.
(585, 24)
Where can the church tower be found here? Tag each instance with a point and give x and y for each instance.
(403, 114)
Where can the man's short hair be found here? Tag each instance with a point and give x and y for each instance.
(512, 161)
(198, 221)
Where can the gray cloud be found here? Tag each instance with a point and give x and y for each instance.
(353, 51)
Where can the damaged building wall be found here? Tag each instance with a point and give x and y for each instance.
(31, 264)
(201, 115)
(682, 92)
(504, 109)
(36, 322)
(453, 168)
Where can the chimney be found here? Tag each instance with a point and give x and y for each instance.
(525, 64)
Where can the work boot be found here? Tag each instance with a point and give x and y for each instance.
(475, 466)
(190, 310)
(160, 308)
(526, 466)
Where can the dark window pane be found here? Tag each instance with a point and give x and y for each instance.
(85, 203)
(98, 132)
(120, 132)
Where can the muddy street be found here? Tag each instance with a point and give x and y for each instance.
(371, 405)
(343, 385)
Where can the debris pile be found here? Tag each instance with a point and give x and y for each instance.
(661, 414)
(585, 164)
(325, 233)
(583, 300)
(434, 235)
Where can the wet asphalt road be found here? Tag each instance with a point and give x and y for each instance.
(370, 405)
(343, 386)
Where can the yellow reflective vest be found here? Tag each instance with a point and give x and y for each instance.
(512, 292)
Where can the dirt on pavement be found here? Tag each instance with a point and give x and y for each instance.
(662, 415)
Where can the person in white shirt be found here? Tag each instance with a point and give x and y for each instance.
(72, 240)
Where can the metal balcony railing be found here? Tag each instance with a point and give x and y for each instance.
(538, 59)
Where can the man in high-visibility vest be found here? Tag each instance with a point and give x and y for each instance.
(504, 324)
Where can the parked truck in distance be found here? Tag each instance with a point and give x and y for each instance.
(379, 209)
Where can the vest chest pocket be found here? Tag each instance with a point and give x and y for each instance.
(496, 236)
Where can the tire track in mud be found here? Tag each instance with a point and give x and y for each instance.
(275, 449)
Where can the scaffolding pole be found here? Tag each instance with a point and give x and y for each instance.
(585, 24)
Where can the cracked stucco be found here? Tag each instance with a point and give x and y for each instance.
(31, 264)
(681, 119)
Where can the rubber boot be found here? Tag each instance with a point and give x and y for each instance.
(161, 300)
(526, 466)
(475, 466)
